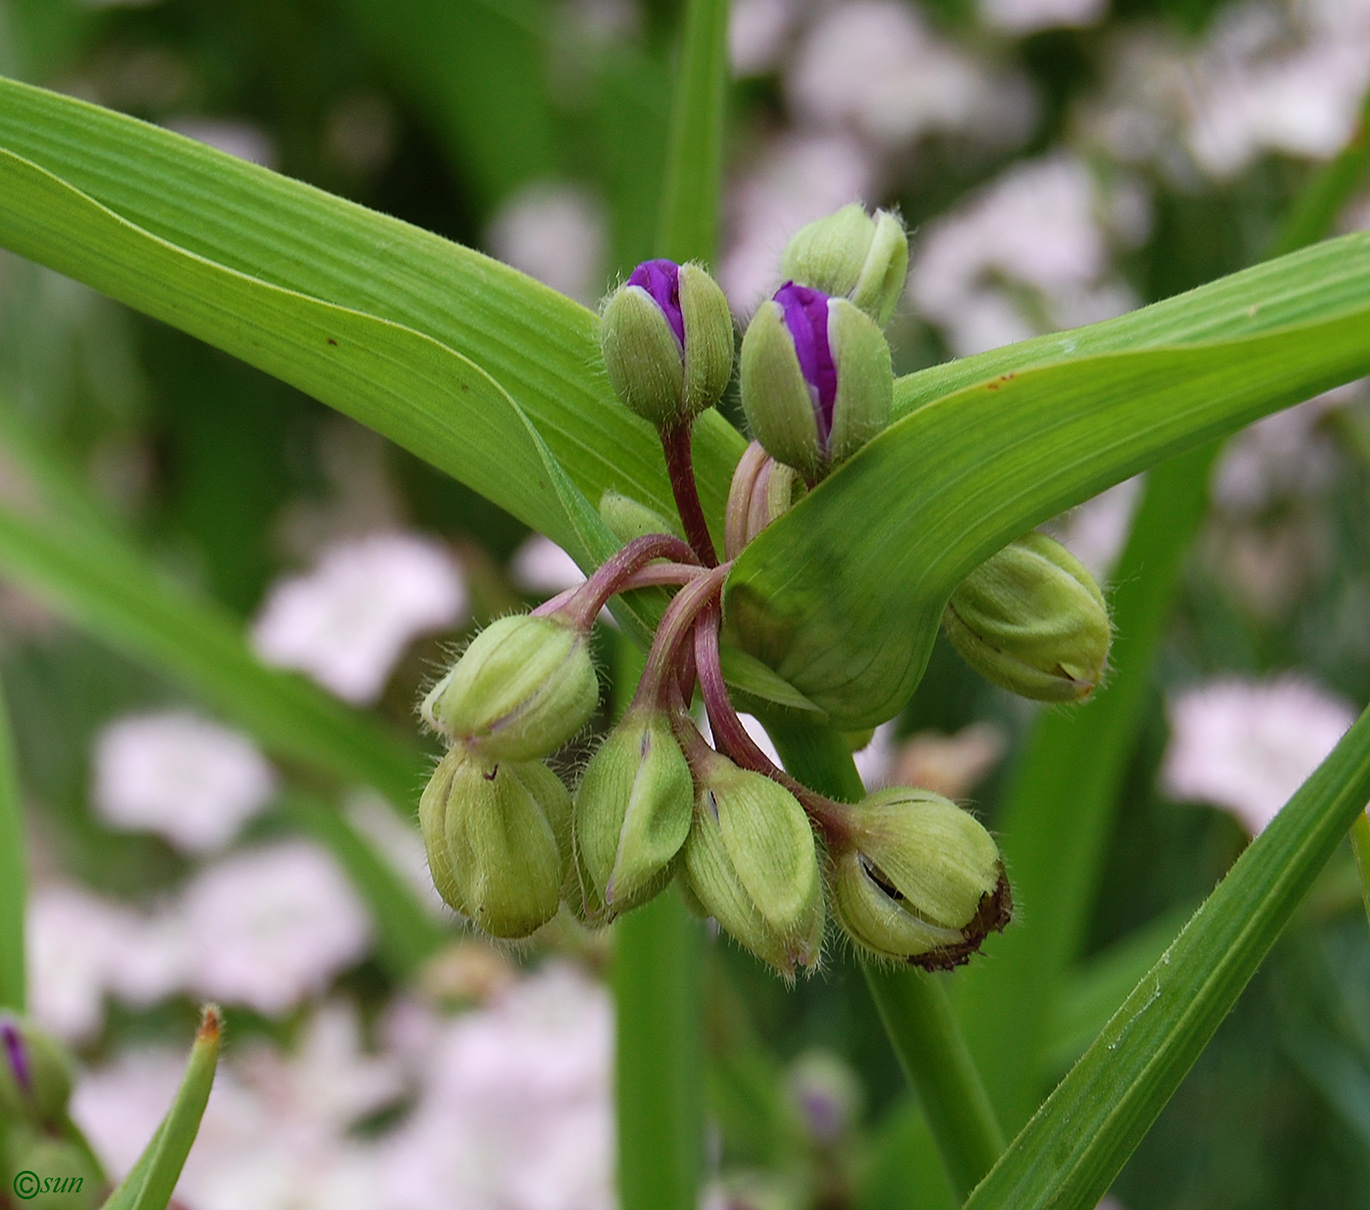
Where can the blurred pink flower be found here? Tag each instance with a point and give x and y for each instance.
(347, 622)
(1247, 746)
(270, 926)
(181, 776)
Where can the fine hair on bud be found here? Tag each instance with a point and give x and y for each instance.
(919, 879)
(1032, 620)
(524, 686)
(498, 839)
(751, 863)
(851, 254)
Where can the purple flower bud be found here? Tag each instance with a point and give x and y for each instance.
(806, 317)
(661, 279)
(19, 1062)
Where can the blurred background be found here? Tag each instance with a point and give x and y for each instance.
(1059, 162)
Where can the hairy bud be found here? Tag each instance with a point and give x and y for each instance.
(751, 863)
(632, 814)
(667, 336)
(817, 382)
(35, 1073)
(921, 879)
(522, 688)
(852, 255)
(627, 519)
(1032, 620)
(498, 839)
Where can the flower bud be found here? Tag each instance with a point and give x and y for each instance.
(48, 1173)
(497, 836)
(667, 336)
(852, 255)
(627, 519)
(751, 862)
(762, 490)
(1032, 620)
(632, 814)
(35, 1073)
(817, 382)
(522, 688)
(919, 880)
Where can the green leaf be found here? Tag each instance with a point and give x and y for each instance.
(694, 156)
(152, 1181)
(1078, 1141)
(541, 347)
(1059, 811)
(105, 587)
(901, 524)
(13, 876)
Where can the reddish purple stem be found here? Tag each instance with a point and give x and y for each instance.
(675, 444)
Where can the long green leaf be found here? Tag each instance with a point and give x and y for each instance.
(694, 157)
(107, 589)
(901, 523)
(1077, 1142)
(13, 875)
(540, 346)
(152, 1181)
(1059, 812)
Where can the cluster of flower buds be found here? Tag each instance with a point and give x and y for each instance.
(36, 1137)
(909, 876)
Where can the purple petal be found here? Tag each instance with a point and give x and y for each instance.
(806, 316)
(19, 1060)
(661, 279)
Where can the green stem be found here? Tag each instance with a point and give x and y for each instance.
(660, 1051)
(660, 1048)
(918, 1019)
(913, 1006)
(12, 880)
(1360, 846)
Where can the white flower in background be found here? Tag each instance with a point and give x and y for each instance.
(347, 622)
(1096, 531)
(542, 568)
(751, 725)
(516, 1111)
(1265, 78)
(949, 765)
(1019, 17)
(399, 843)
(1287, 454)
(1039, 227)
(796, 180)
(874, 67)
(875, 762)
(244, 140)
(555, 233)
(75, 943)
(758, 31)
(181, 776)
(1247, 746)
(275, 1132)
(271, 926)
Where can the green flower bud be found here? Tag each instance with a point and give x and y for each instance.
(667, 336)
(817, 382)
(751, 862)
(35, 1073)
(852, 255)
(627, 519)
(920, 879)
(498, 837)
(48, 1173)
(1032, 620)
(522, 688)
(632, 814)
